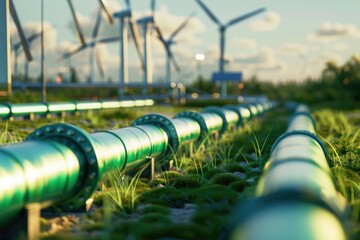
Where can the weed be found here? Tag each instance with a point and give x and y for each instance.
(123, 189)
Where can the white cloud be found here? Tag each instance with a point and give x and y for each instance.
(329, 32)
(269, 23)
(244, 43)
(338, 29)
(294, 49)
(339, 47)
(264, 60)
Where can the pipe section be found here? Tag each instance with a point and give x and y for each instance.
(8, 110)
(296, 196)
(61, 164)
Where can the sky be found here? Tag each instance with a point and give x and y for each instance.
(292, 40)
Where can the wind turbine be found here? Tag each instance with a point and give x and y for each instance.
(168, 43)
(147, 22)
(6, 7)
(222, 30)
(93, 54)
(17, 50)
(126, 20)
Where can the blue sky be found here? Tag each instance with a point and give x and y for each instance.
(293, 39)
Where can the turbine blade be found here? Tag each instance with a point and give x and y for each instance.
(245, 16)
(181, 27)
(108, 40)
(73, 52)
(104, 5)
(99, 63)
(208, 12)
(135, 35)
(33, 37)
(77, 25)
(97, 25)
(21, 33)
(159, 34)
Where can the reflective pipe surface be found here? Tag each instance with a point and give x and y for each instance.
(8, 110)
(61, 164)
(296, 196)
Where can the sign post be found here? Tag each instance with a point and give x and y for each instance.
(224, 78)
(5, 68)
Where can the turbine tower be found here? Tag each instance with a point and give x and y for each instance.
(222, 31)
(6, 7)
(167, 44)
(126, 20)
(147, 23)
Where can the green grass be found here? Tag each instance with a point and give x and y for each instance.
(342, 137)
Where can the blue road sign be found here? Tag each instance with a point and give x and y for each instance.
(226, 77)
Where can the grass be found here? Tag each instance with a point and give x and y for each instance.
(343, 141)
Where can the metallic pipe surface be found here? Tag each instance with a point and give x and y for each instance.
(296, 197)
(27, 176)
(253, 110)
(188, 129)
(61, 164)
(243, 113)
(214, 122)
(230, 118)
(8, 110)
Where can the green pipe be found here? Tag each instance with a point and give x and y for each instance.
(243, 113)
(58, 107)
(253, 110)
(188, 129)
(296, 196)
(61, 164)
(4, 111)
(292, 220)
(213, 121)
(8, 110)
(27, 176)
(230, 118)
(208, 122)
(20, 109)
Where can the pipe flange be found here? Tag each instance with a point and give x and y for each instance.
(307, 114)
(82, 145)
(199, 119)
(219, 112)
(167, 125)
(306, 133)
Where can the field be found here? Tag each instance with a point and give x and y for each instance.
(196, 196)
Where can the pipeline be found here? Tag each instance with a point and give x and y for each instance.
(295, 197)
(11, 110)
(61, 164)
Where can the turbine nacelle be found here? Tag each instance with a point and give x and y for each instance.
(123, 14)
(145, 20)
